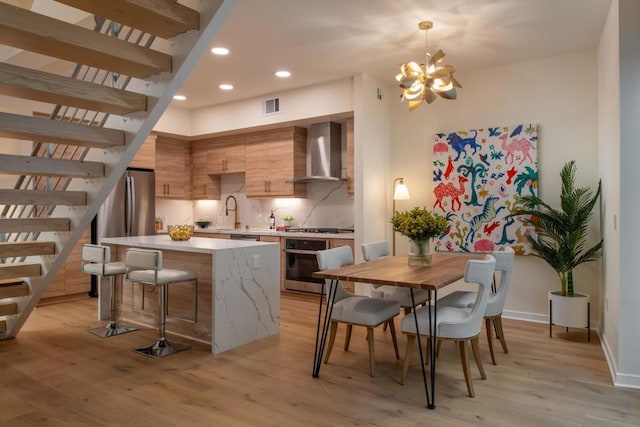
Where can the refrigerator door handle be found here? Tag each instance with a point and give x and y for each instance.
(128, 220)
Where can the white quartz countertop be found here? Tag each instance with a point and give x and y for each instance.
(195, 244)
(254, 232)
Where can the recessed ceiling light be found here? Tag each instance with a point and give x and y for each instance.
(283, 73)
(226, 86)
(219, 50)
(179, 97)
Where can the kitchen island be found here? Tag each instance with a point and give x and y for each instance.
(235, 301)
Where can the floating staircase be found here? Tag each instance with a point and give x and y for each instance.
(102, 72)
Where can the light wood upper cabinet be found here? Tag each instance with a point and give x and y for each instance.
(146, 156)
(172, 163)
(226, 156)
(350, 158)
(203, 185)
(272, 158)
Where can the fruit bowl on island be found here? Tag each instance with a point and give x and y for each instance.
(180, 232)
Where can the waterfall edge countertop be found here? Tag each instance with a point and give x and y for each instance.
(235, 301)
(194, 244)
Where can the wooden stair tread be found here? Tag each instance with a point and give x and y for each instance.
(163, 18)
(33, 32)
(45, 130)
(43, 197)
(37, 85)
(30, 165)
(29, 248)
(16, 290)
(8, 309)
(19, 225)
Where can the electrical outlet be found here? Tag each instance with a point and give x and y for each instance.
(256, 261)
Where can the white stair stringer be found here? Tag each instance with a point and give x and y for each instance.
(186, 51)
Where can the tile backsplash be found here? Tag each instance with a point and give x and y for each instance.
(326, 205)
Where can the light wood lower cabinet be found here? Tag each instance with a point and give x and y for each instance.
(70, 280)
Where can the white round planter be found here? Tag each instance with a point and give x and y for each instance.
(571, 312)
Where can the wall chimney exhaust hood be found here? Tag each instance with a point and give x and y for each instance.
(324, 147)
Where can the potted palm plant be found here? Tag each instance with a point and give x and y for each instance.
(561, 242)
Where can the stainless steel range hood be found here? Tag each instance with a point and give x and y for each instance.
(324, 146)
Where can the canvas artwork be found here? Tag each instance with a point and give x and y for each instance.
(478, 175)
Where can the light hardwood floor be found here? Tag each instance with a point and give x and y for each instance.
(55, 373)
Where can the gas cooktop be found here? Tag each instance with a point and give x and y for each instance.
(319, 230)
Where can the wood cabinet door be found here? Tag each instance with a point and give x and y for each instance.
(203, 185)
(235, 156)
(226, 157)
(146, 156)
(172, 158)
(257, 166)
(280, 165)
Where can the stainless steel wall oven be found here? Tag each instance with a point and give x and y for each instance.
(301, 263)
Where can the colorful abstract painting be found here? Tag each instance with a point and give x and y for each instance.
(478, 175)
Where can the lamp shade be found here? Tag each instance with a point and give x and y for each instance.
(401, 192)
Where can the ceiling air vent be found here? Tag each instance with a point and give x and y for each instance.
(271, 106)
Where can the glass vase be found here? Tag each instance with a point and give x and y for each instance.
(419, 253)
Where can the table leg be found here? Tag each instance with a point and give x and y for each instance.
(321, 339)
(433, 346)
(424, 373)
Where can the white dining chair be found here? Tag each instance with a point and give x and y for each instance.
(495, 304)
(375, 250)
(353, 309)
(456, 324)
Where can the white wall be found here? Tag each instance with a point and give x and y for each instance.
(609, 155)
(560, 95)
(629, 286)
(313, 101)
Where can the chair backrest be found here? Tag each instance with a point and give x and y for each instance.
(480, 272)
(504, 264)
(375, 250)
(143, 259)
(96, 253)
(335, 258)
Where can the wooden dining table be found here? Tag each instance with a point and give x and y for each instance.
(395, 271)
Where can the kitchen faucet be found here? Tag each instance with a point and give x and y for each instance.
(236, 224)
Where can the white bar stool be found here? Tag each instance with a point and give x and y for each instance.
(145, 266)
(96, 261)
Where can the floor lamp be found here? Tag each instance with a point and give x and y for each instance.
(400, 192)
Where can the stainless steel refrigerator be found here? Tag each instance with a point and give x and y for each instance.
(130, 209)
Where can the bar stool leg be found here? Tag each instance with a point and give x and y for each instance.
(112, 328)
(162, 347)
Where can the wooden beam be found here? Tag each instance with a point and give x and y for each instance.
(43, 197)
(36, 85)
(28, 165)
(19, 269)
(30, 31)
(163, 18)
(22, 225)
(19, 249)
(45, 130)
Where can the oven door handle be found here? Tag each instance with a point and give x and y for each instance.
(299, 251)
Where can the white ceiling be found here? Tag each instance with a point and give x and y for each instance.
(323, 40)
